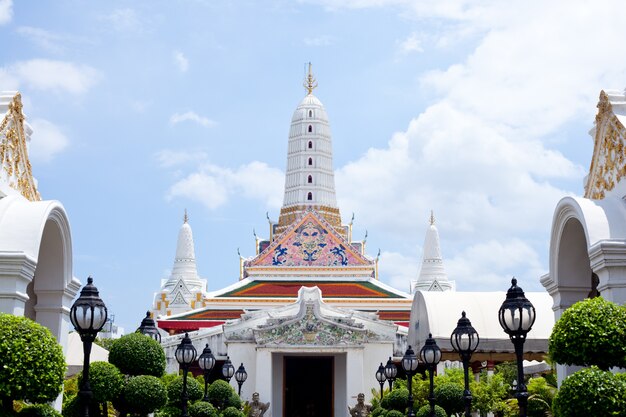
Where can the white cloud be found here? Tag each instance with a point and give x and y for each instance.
(47, 141)
(51, 75)
(6, 11)
(411, 44)
(323, 40)
(124, 20)
(214, 186)
(192, 116)
(168, 158)
(398, 269)
(182, 63)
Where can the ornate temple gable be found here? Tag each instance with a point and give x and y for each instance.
(309, 322)
(179, 300)
(331, 289)
(608, 165)
(309, 242)
(15, 168)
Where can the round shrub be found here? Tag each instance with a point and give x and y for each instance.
(396, 399)
(39, 410)
(425, 411)
(169, 411)
(378, 411)
(106, 381)
(33, 365)
(590, 332)
(232, 412)
(202, 409)
(144, 394)
(591, 392)
(450, 397)
(137, 354)
(234, 401)
(195, 391)
(219, 393)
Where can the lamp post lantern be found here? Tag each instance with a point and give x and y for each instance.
(391, 372)
(185, 355)
(88, 314)
(206, 362)
(228, 370)
(240, 376)
(431, 355)
(381, 378)
(409, 364)
(148, 327)
(517, 316)
(464, 339)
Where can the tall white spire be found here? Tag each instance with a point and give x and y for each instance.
(433, 276)
(184, 289)
(309, 178)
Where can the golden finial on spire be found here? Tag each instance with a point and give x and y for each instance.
(432, 218)
(310, 83)
(185, 217)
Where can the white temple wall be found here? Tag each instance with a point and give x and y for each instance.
(245, 353)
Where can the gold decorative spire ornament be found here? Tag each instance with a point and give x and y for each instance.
(432, 218)
(310, 83)
(185, 217)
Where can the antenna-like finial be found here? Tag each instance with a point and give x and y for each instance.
(432, 218)
(310, 83)
(185, 217)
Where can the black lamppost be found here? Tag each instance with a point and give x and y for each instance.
(185, 355)
(464, 339)
(240, 376)
(409, 364)
(517, 316)
(88, 314)
(431, 355)
(381, 378)
(206, 362)
(391, 372)
(228, 370)
(148, 327)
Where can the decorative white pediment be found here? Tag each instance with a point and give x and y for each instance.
(179, 300)
(309, 322)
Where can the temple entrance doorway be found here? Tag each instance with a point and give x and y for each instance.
(308, 386)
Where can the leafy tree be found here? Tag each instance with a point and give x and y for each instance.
(144, 394)
(488, 392)
(396, 399)
(591, 332)
(424, 411)
(32, 366)
(449, 395)
(195, 391)
(591, 392)
(202, 409)
(540, 397)
(39, 410)
(137, 354)
(232, 412)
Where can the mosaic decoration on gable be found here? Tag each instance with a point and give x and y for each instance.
(310, 244)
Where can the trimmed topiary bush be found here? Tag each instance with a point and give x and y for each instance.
(396, 400)
(39, 410)
(378, 411)
(394, 413)
(219, 393)
(138, 354)
(591, 332)
(144, 394)
(202, 409)
(169, 411)
(195, 391)
(33, 365)
(106, 381)
(425, 411)
(449, 396)
(591, 392)
(232, 412)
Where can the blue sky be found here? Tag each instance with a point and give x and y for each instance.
(478, 110)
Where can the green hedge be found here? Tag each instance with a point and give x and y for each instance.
(396, 399)
(195, 391)
(202, 409)
(33, 366)
(138, 354)
(39, 410)
(105, 380)
(591, 392)
(144, 394)
(425, 411)
(590, 332)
